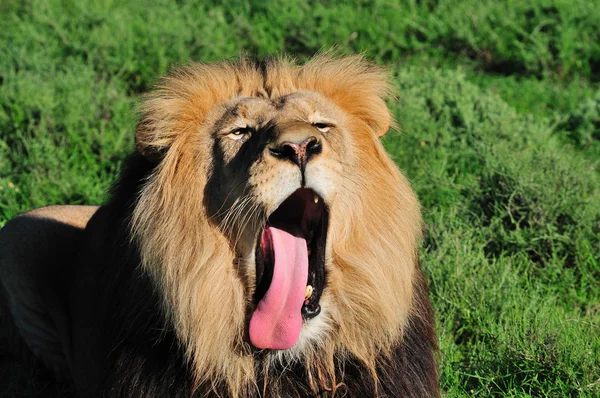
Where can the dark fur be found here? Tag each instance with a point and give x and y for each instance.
(137, 353)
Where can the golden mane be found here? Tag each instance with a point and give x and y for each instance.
(374, 229)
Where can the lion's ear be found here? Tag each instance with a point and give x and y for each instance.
(163, 118)
(145, 141)
(372, 109)
(381, 118)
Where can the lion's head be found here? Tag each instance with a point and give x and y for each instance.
(274, 220)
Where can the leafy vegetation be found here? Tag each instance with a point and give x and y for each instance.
(499, 113)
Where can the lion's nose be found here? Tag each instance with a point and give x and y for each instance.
(300, 153)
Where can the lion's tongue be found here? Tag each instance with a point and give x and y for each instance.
(277, 320)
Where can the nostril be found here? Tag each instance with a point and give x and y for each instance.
(289, 150)
(313, 146)
(276, 152)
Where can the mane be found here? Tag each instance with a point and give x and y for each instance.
(374, 228)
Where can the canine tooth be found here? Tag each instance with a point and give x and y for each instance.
(316, 198)
(309, 292)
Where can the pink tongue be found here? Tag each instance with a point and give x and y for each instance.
(277, 319)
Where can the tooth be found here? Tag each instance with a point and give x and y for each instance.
(309, 292)
(316, 198)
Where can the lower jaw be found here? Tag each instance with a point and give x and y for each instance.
(310, 310)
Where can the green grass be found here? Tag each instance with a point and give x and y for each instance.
(500, 135)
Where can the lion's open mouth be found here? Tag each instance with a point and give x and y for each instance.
(290, 270)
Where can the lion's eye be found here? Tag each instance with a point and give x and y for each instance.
(322, 127)
(238, 134)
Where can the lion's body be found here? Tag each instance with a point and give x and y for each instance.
(154, 296)
(36, 254)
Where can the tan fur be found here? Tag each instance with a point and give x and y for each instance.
(75, 216)
(374, 230)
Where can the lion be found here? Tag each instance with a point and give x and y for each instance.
(259, 242)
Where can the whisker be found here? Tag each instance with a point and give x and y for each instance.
(235, 209)
(248, 217)
(218, 212)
